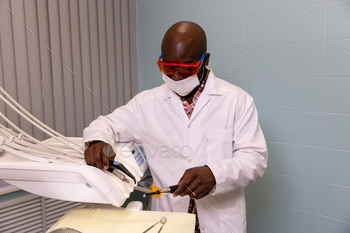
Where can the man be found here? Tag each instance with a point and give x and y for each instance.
(198, 131)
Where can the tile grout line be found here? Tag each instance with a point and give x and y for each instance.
(298, 111)
(322, 126)
(308, 146)
(261, 229)
(308, 179)
(293, 208)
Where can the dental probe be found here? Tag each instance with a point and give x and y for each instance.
(166, 190)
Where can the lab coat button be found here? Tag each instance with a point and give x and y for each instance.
(189, 126)
(189, 160)
(203, 228)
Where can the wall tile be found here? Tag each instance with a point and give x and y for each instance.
(337, 95)
(330, 225)
(150, 43)
(336, 131)
(276, 28)
(252, 229)
(236, 81)
(160, 16)
(292, 127)
(338, 20)
(209, 10)
(275, 218)
(337, 58)
(295, 60)
(258, 6)
(287, 94)
(149, 68)
(142, 3)
(293, 160)
(338, 161)
(149, 84)
(222, 61)
(287, 191)
(228, 33)
(335, 202)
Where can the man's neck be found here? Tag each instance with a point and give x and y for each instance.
(189, 97)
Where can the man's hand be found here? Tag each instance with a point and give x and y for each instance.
(99, 154)
(196, 182)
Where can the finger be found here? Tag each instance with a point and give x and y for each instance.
(105, 162)
(97, 150)
(184, 181)
(87, 156)
(189, 191)
(194, 193)
(189, 186)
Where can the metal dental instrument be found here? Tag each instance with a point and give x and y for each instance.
(160, 221)
(116, 165)
(158, 192)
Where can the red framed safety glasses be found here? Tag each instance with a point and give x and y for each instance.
(185, 69)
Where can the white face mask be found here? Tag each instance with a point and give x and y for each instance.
(182, 87)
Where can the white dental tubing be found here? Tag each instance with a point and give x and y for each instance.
(37, 141)
(25, 112)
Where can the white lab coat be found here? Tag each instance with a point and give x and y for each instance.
(223, 133)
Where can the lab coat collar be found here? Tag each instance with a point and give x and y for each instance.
(211, 87)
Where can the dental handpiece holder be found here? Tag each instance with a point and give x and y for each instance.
(74, 180)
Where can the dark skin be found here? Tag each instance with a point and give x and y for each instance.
(95, 155)
(183, 42)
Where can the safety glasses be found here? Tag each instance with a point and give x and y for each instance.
(185, 69)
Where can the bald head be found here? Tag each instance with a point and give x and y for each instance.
(184, 42)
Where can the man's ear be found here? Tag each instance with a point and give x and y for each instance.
(206, 59)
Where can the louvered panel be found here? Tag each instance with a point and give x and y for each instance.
(55, 209)
(77, 67)
(67, 60)
(57, 215)
(21, 62)
(24, 214)
(19, 224)
(59, 207)
(4, 211)
(22, 228)
(53, 202)
(57, 212)
(33, 47)
(33, 229)
(63, 209)
(21, 211)
(53, 219)
(51, 222)
(22, 219)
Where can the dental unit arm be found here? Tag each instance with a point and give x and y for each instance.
(56, 168)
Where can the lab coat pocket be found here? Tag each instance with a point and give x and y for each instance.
(219, 144)
(233, 218)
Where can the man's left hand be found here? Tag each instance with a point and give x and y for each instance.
(196, 182)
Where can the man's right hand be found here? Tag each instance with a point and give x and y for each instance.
(99, 154)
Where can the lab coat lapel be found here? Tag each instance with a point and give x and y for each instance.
(210, 90)
(174, 105)
(201, 103)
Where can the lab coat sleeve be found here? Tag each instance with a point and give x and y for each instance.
(119, 126)
(249, 157)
